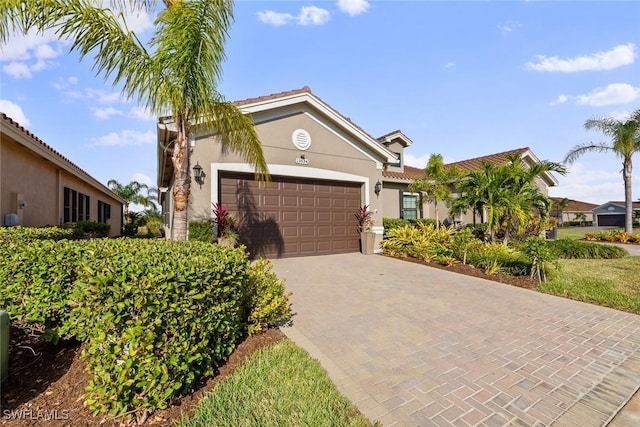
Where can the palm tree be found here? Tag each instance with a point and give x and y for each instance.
(624, 142)
(131, 193)
(559, 206)
(176, 73)
(507, 193)
(436, 187)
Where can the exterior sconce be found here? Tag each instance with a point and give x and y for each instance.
(198, 175)
(377, 188)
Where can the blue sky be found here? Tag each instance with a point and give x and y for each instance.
(463, 79)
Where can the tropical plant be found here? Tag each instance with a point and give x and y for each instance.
(508, 193)
(436, 187)
(581, 217)
(175, 73)
(624, 142)
(131, 193)
(365, 218)
(559, 206)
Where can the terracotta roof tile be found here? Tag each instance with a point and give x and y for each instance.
(305, 89)
(496, 159)
(574, 205)
(410, 173)
(52, 150)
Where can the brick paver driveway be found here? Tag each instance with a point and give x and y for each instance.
(412, 345)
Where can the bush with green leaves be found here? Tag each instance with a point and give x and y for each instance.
(201, 231)
(29, 234)
(91, 229)
(575, 249)
(37, 278)
(499, 258)
(541, 256)
(268, 299)
(425, 242)
(391, 223)
(155, 316)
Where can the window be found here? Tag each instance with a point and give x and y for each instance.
(409, 206)
(104, 211)
(398, 163)
(76, 206)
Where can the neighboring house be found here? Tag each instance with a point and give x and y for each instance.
(573, 210)
(611, 214)
(397, 179)
(323, 167)
(39, 186)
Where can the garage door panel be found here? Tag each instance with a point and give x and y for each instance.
(292, 217)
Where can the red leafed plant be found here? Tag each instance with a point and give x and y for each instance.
(364, 217)
(221, 218)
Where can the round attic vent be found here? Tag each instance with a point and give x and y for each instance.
(301, 139)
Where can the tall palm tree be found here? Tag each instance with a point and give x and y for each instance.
(175, 73)
(624, 142)
(131, 193)
(436, 187)
(559, 206)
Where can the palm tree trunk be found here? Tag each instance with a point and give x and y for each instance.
(181, 185)
(628, 198)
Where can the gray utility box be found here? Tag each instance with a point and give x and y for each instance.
(4, 345)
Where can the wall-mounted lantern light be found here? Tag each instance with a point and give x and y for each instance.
(198, 174)
(377, 188)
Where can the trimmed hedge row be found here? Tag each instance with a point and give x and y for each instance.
(574, 249)
(29, 234)
(155, 315)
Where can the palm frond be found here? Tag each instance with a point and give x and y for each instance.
(581, 149)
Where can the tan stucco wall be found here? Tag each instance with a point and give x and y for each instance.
(396, 147)
(40, 184)
(331, 150)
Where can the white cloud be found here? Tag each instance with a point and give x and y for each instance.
(143, 179)
(509, 26)
(17, 70)
(141, 114)
(124, 138)
(613, 94)
(312, 15)
(308, 16)
(14, 111)
(614, 58)
(353, 7)
(449, 65)
(105, 113)
(102, 96)
(25, 54)
(275, 18)
(619, 115)
(588, 184)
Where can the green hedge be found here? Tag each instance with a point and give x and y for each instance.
(29, 234)
(201, 231)
(567, 248)
(155, 315)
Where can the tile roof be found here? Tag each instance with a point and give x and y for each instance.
(410, 173)
(636, 205)
(574, 205)
(56, 153)
(305, 89)
(496, 159)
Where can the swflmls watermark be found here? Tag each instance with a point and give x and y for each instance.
(39, 415)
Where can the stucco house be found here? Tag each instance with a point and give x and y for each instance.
(39, 186)
(323, 168)
(573, 210)
(611, 214)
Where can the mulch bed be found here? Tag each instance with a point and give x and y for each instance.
(469, 270)
(46, 383)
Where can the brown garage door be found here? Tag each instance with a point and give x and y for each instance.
(615, 220)
(292, 217)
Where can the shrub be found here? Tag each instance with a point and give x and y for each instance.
(91, 229)
(268, 300)
(37, 279)
(201, 231)
(498, 257)
(29, 234)
(541, 256)
(574, 249)
(422, 241)
(391, 223)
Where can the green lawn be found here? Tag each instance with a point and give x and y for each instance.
(612, 283)
(280, 385)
